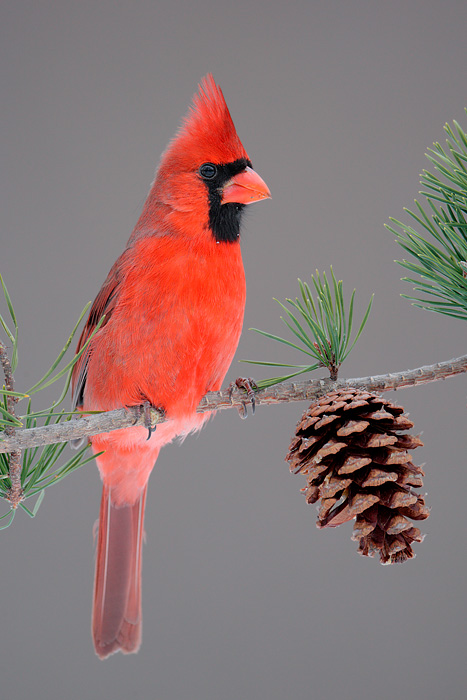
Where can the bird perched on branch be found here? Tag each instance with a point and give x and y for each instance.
(173, 307)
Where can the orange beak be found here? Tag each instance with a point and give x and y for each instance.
(245, 188)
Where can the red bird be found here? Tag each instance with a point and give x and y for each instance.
(173, 305)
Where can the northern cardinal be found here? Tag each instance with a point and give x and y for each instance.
(173, 304)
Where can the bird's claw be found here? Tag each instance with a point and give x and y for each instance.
(249, 385)
(146, 412)
(147, 419)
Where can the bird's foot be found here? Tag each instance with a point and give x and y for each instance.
(249, 385)
(145, 410)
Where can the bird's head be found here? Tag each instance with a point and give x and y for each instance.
(205, 174)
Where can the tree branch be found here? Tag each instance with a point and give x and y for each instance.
(215, 401)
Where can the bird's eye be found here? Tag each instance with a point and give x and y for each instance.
(208, 171)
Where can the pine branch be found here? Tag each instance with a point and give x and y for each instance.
(438, 242)
(215, 401)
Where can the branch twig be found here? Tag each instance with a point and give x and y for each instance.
(215, 401)
(15, 493)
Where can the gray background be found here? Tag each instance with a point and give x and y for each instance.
(336, 103)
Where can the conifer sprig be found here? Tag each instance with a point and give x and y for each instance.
(322, 327)
(438, 240)
(40, 467)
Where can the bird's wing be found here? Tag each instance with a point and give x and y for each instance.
(103, 305)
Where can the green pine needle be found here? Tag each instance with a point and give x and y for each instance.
(12, 336)
(41, 467)
(440, 257)
(321, 328)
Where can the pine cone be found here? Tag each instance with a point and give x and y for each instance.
(348, 444)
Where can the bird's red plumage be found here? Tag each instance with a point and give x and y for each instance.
(173, 305)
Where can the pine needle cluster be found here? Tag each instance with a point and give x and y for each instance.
(40, 467)
(437, 242)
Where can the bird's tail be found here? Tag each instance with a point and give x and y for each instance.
(116, 616)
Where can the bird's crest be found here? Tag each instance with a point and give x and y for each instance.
(207, 132)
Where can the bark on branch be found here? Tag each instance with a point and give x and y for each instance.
(16, 492)
(215, 401)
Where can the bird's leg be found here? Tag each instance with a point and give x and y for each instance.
(249, 385)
